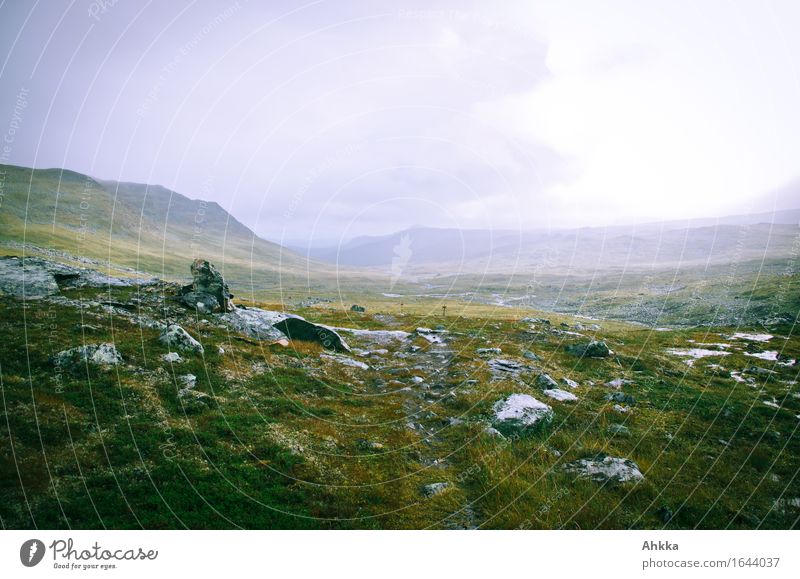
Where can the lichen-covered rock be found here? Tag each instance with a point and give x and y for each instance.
(300, 329)
(26, 278)
(176, 337)
(98, 354)
(606, 469)
(520, 412)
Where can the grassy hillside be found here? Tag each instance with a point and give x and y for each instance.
(146, 227)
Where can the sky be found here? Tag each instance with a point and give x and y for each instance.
(325, 120)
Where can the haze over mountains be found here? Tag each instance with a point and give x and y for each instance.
(669, 244)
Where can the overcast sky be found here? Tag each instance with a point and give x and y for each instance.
(345, 118)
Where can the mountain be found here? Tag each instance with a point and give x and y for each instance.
(147, 227)
(731, 239)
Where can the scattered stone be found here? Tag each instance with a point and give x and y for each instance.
(189, 381)
(618, 383)
(594, 349)
(502, 367)
(605, 469)
(618, 430)
(432, 336)
(176, 337)
(482, 351)
(345, 361)
(528, 355)
(434, 489)
(544, 321)
(172, 358)
(546, 381)
(570, 383)
(493, 432)
(98, 354)
(620, 397)
(299, 329)
(520, 412)
(560, 395)
(620, 409)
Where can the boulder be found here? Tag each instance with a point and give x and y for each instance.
(482, 351)
(300, 329)
(26, 278)
(176, 337)
(593, 349)
(357, 308)
(208, 291)
(620, 397)
(520, 412)
(97, 354)
(618, 430)
(255, 323)
(606, 469)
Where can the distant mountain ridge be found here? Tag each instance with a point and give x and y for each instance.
(727, 239)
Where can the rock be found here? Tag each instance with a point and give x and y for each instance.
(546, 381)
(208, 291)
(618, 429)
(345, 361)
(493, 432)
(172, 358)
(203, 303)
(189, 381)
(220, 351)
(570, 383)
(98, 354)
(26, 278)
(520, 412)
(560, 395)
(300, 329)
(434, 489)
(176, 337)
(620, 409)
(502, 367)
(618, 383)
(594, 349)
(34, 277)
(255, 323)
(482, 351)
(357, 308)
(620, 397)
(544, 321)
(606, 469)
(530, 356)
(432, 336)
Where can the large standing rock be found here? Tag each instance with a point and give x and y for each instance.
(208, 291)
(300, 329)
(520, 412)
(176, 337)
(605, 469)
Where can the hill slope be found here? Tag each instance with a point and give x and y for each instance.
(147, 227)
